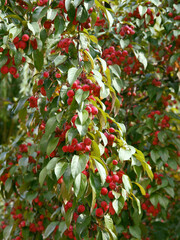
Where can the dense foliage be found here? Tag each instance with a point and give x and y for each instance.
(90, 108)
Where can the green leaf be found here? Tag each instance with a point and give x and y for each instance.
(174, 58)
(164, 201)
(42, 175)
(51, 164)
(80, 185)
(82, 223)
(60, 169)
(78, 164)
(82, 14)
(141, 188)
(124, 43)
(59, 24)
(80, 96)
(116, 70)
(127, 183)
(23, 162)
(34, 27)
(18, 57)
(52, 144)
(142, 59)
(170, 191)
(77, 2)
(7, 232)
(50, 126)
(38, 59)
(162, 136)
(50, 228)
(83, 116)
(95, 149)
(137, 202)
(20, 104)
(125, 154)
(102, 171)
(135, 231)
(156, 2)
(164, 153)
(142, 10)
(38, 13)
(51, 14)
(82, 128)
(73, 74)
(8, 184)
(139, 156)
(154, 155)
(93, 39)
(118, 205)
(154, 198)
(59, 60)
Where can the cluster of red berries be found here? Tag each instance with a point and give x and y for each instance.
(100, 22)
(10, 65)
(157, 177)
(33, 102)
(155, 140)
(136, 14)
(156, 82)
(129, 30)
(156, 112)
(165, 100)
(164, 122)
(84, 146)
(64, 44)
(150, 209)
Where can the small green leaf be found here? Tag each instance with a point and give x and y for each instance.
(50, 228)
(42, 175)
(60, 169)
(135, 231)
(80, 185)
(59, 24)
(51, 164)
(127, 183)
(78, 164)
(59, 60)
(50, 126)
(80, 96)
(38, 59)
(7, 232)
(73, 74)
(52, 144)
(102, 171)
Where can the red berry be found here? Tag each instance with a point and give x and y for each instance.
(46, 74)
(104, 191)
(112, 185)
(22, 45)
(87, 141)
(81, 208)
(111, 137)
(58, 75)
(115, 162)
(115, 178)
(108, 179)
(70, 93)
(111, 130)
(99, 212)
(4, 69)
(94, 110)
(25, 37)
(12, 70)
